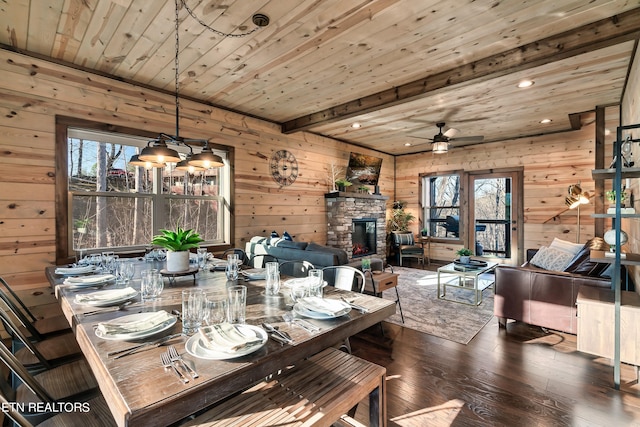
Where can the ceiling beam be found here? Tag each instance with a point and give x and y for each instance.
(597, 35)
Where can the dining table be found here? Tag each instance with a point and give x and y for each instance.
(138, 389)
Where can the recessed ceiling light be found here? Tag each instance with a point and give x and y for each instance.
(407, 144)
(356, 125)
(525, 83)
(545, 121)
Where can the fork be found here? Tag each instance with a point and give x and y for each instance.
(176, 358)
(166, 362)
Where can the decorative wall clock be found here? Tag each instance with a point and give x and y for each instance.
(284, 167)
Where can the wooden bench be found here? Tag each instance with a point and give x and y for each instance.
(315, 392)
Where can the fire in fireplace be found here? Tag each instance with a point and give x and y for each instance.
(363, 237)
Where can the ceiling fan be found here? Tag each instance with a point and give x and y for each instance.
(441, 140)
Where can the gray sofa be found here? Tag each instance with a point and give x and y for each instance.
(285, 250)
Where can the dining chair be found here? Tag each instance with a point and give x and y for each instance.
(295, 268)
(37, 329)
(68, 383)
(260, 261)
(40, 355)
(344, 277)
(241, 255)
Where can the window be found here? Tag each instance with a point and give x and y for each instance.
(441, 205)
(113, 204)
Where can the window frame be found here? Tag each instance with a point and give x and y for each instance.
(63, 199)
(425, 206)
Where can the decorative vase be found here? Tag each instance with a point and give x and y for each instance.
(177, 261)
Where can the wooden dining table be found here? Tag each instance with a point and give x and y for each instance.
(140, 392)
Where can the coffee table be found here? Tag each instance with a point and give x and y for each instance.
(466, 277)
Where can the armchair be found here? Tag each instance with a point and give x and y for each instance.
(406, 247)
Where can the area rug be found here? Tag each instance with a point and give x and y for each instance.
(424, 312)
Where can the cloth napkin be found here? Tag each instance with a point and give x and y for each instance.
(98, 278)
(74, 270)
(226, 338)
(134, 323)
(105, 296)
(325, 306)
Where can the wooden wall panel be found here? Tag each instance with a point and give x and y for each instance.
(33, 92)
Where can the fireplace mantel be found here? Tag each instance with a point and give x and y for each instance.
(344, 207)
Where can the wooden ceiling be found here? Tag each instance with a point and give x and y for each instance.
(395, 66)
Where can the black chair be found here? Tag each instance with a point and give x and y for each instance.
(295, 268)
(452, 225)
(406, 247)
(242, 256)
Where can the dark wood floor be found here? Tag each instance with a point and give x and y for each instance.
(521, 376)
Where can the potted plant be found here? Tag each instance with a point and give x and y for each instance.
(400, 219)
(465, 255)
(177, 243)
(363, 189)
(424, 232)
(343, 183)
(81, 225)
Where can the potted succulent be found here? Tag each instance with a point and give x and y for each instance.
(177, 243)
(81, 225)
(424, 232)
(343, 184)
(363, 189)
(465, 255)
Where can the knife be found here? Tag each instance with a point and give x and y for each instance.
(150, 344)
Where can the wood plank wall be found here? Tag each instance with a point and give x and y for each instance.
(33, 92)
(551, 163)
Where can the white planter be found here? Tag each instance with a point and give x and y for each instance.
(465, 259)
(177, 261)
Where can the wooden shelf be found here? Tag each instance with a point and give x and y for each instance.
(611, 173)
(604, 215)
(630, 258)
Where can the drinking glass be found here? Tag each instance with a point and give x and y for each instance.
(237, 303)
(232, 267)
(193, 305)
(202, 258)
(128, 270)
(273, 278)
(151, 284)
(106, 257)
(298, 290)
(215, 308)
(315, 283)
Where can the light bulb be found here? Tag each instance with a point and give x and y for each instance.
(206, 164)
(160, 159)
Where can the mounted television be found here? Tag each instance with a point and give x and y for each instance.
(363, 170)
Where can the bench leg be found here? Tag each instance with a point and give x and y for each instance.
(502, 322)
(378, 405)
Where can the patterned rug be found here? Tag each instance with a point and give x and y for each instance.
(424, 312)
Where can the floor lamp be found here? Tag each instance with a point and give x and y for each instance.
(576, 198)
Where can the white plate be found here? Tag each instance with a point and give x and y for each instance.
(108, 303)
(195, 348)
(316, 314)
(137, 335)
(297, 281)
(254, 273)
(75, 271)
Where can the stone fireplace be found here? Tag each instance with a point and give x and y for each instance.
(357, 223)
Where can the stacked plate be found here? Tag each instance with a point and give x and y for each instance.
(297, 281)
(254, 273)
(107, 298)
(225, 341)
(89, 281)
(321, 308)
(135, 326)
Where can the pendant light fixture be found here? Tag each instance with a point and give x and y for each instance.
(157, 152)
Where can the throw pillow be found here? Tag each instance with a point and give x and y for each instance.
(404, 238)
(551, 259)
(287, 236)
(563, 245)
(274, 234)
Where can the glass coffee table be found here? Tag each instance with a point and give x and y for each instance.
(465, 276)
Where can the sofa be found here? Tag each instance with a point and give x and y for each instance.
(318, 255)
(547, 298)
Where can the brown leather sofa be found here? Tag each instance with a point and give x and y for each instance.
(544, 298)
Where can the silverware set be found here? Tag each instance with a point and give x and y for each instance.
(360, 308)
(172, 359)
(141, 347)
(307, 326)
(276, 335)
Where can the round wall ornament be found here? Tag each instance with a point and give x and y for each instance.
(284, 167)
